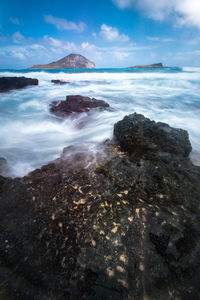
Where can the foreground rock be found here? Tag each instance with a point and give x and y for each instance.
(141, 138)
(57, 81)
(76, 104)
(72, 61)
(103, 225)
(10, 83)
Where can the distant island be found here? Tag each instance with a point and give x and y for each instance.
(158, 65)
(72, 61)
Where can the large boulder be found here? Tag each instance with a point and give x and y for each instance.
(10, 83)
(101, 226)
(76, 104)
(140, 136)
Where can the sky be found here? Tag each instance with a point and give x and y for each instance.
(111, 33)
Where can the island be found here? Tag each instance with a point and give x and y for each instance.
(158, 65)
(71, 61)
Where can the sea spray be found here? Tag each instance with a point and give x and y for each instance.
(31, 136)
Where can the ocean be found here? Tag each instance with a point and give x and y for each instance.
(31, 136)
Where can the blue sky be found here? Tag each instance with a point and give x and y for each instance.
(112, 33)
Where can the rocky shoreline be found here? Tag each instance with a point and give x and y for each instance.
(10, 83)
(119, 223)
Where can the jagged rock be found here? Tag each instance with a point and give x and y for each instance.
(72, 61)
(10, 83)
(113, 229)
(76, 104)
(141, 137)
(57, 81)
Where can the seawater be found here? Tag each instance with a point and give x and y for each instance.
(31, 136)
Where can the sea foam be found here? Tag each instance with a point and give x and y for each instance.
(30, 136)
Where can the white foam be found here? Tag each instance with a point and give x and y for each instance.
(30, 136)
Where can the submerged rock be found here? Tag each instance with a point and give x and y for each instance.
(10, 83)
(76, 104)
(57, 81)
(112, 229)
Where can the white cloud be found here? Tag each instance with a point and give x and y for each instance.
(18, 38)
(94, 34)
(56, 43)
(158, 39)
(88, 46)
(14, 20)
(120, 55)
(112, 34)
(183, 12)
(63, 24)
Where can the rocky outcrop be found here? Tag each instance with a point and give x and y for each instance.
(57, 81)
(72, 61)
(10, 83)
(103, 225)
(142, 137)
(158, 65)
(76, 104)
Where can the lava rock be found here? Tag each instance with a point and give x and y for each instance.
(10, 83)
(140, 136)
(57, 81)
(103, 226)
(76, 104)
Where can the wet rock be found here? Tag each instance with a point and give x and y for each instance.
(76, 104)
(10, 83)
(109, 228)
(140, 136)
(57, 81)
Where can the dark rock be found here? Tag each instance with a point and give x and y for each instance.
(140, 137)
(71, 61)
(109, 229)
(76, 104)
(10, 83)
(57, 81)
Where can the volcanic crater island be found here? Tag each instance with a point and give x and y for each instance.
(71, 61)
(121, 222)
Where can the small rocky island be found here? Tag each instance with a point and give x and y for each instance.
(119, 223)
(158, 65)
(71, 61)
(11, 83)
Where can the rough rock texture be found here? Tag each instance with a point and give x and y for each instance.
(72, 61)
(10, 83)
(57, 81)
(158, 65)
(143, 137)
(118, 229)
(76, 104)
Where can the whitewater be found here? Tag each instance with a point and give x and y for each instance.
(31, 136)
